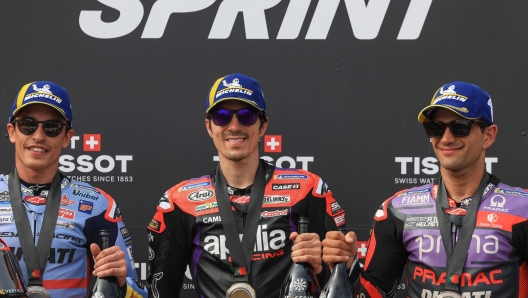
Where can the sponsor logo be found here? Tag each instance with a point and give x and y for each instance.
(193, 186)
(511, 192)
(285, 186)
(128, 242)
(155, 225)
(164, 202)
(35, 200)
(362, 249)
(85, 195)
(466, 279)
(124, 232)
(241, 199)
(65, 213)
(268, 244)
(275, 213)
(206, 206)
(431, 246)
(85, 206)
(212, 219)
(4, 197)
(65, 201)
(335, 208)
(339, 220)
(410, 192)
(233, 87)
(68, 237)
(92, 142)
(44, 89)
(6, 210)
(416, 199)
(493, 217)
(7, 219)
(88, 188)
(273, 143)
(421, 221)
(497, 203)
(290, 176)
(276, 199)
(200, 195)
(64, 224)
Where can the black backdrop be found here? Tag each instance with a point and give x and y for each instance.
(344, 98)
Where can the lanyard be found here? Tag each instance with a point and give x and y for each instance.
(35, 257)
(456, 255)
(241, 251)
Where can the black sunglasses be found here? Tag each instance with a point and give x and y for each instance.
(459, 127)
(28, 126)
(246, 116)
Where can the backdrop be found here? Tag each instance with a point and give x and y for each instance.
(343, 80)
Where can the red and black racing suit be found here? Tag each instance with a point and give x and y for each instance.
(406, 233)
(187, 230)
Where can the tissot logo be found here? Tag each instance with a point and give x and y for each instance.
(365, 18)
(272, 143)
(92, 142)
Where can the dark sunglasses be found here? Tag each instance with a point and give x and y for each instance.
(246, 116)
(459, 127)
(28, 126)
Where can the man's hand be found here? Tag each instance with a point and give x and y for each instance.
(109, 262)
(339, 248)
(307, 249)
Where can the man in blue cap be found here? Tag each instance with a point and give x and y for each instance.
(465, 236)
(56, 221)
(236, 227)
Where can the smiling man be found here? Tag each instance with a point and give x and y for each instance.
(235, 228)
(55, 231)
(466, 236)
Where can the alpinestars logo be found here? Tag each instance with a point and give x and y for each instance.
(365, 18)
(98, 164)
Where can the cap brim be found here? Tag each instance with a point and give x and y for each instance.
(423, 118)
(39, 102)
(250, 102)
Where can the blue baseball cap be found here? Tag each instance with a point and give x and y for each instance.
(43, 92)
(467, 100)
(238, 87)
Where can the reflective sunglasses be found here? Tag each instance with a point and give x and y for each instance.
(28, 126)
(459, 127)
(246, 116)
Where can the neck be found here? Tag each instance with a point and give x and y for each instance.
(43, 176)
(459, 187)
(239, 174)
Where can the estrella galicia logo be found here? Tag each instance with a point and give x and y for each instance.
(200, 195)
(4, 197)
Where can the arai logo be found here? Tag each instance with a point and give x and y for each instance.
(200, 195)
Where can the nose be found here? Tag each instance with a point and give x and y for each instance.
(447, 137)
(39, 134)
(234, 125)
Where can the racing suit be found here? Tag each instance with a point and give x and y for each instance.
(187, 230)
(406, 233)
(84, 211)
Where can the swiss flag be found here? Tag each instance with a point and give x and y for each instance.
(272, 143)
(362, 249)
(92, 142)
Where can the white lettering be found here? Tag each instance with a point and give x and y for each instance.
(130, 15)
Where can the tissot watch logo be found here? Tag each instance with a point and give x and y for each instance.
(272, 143)
(92, 142)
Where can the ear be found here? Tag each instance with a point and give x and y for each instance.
(490, 134)
(11, 132)
(208, 127)
(67, 138)
(263, 128)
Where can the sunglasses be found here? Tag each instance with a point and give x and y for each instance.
(28, 126)
(246, 116)
(458, 128)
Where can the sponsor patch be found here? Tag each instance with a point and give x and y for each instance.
(410, 192)
(193, 186)
(336, 208)
(200, 195)
(4, 197)
(339, 220)
(164, 202)
(65, 213)
(88, 188)
(124, 232)
(64, 224)
(206, 206)
(128, 242)
(275, 213)
(276, 199)
(6, 210)
(7, 219)
(240, 199)
(35, 200)
(155, 225)
(85, 195)
(290, 176)
(65, 201)
(511, 192)
(85, 206)
(285, 186)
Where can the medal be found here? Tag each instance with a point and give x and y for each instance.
(37, 292)
(449, 294)
(241, 290)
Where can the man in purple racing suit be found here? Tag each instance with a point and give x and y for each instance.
(191, 226)
(40, 127)
(465, 236)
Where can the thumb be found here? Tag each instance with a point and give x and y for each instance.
(94, 248)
